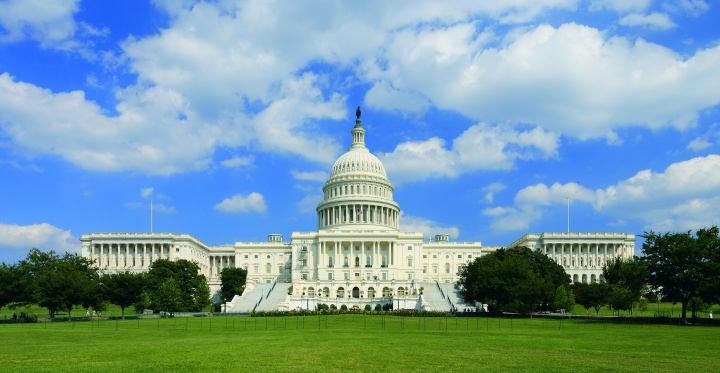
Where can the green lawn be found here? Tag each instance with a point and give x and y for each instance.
(354, 343)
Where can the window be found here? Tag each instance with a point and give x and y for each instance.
(330, 276)
(256, 256)
(268, 268)
(330, 261)
(424, 269)
(255, 269)
(469, 256)
(409, 276)
(434, 256)
(384, 276)
(459, 256)
(304, 276)
(434, 269)
(409, 248)
(347, 276)
(357, 248)
(447, 267)
(424, 256)
(346, 248)
(246, 256)
(409, 260)
(346, 262)
(459, 269)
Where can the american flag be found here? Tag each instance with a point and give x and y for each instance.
(359, 212)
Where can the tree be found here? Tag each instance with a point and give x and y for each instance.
(627, 280)
(232, 282)
(682, 266)
(202, 294)
(564, 298)
(513, 279)
(168, 296)
(122, 288)
(8, 284)
(57, 283)
(192, 285)
(593, 295)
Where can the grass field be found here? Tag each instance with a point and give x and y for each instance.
(354, 343)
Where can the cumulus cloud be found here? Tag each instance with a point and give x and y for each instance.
(253, 202)
(428, 228)
(481, 147)
(17, 239)
(572, 79)
(491, 190)
(237, 162)
(684, 196)
(146, 192)
(620, 5)
(47, 21)
(659, 21)
(309, 203)
(319, 176)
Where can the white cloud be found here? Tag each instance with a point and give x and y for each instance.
(685, 196)
(573, 79)
(480, 147)
(22, 238)
(653, 20)
(253, 202)
(237, 162)
(620, 5)
(319, 176)
(491, 190)
(692, 7)
(699, 143)
(309, 203)
(427, 227)
(48, 21)
(146, 192)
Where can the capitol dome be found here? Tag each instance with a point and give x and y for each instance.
(358, 194)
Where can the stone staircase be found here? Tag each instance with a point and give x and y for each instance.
(272, 300)
(434, 299)
(245, 303)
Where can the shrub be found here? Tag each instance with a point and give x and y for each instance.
(343, 308)
(333, 307)
(378, 307)
(368, 307)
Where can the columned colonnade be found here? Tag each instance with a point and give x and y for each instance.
(130, 255)
(358, 213)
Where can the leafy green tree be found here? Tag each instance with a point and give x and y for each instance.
(202, 295)
(143, 302)
(682, 266)
(232, 282)
(629, 274)
(619, 297)
(123, 288)
(513, 279)
(192, 285)
(595, 296)
(8, 284)
(168, 296)
(564, 298)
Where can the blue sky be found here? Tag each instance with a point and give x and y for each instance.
(228, 115)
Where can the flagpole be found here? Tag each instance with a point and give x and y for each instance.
(568, 205)
(151, 216)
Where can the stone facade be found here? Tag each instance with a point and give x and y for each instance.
(357, 253)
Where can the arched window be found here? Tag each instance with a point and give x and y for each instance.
(386, 292)
(368, 262)
(330, 261)
(346, 261)
(401, 291)
(357, 261)
(384, 261)
(447, 267)
(341, 292)
(311, 291)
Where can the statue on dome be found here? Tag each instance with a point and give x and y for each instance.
(357, 112)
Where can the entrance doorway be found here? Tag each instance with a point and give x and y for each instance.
(356, 292)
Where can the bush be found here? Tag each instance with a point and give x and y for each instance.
(333, 307)
(378, 307)
(387, 307)
(368, 307)
(343, 308)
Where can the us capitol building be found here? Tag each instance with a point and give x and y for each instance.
(357, 257)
